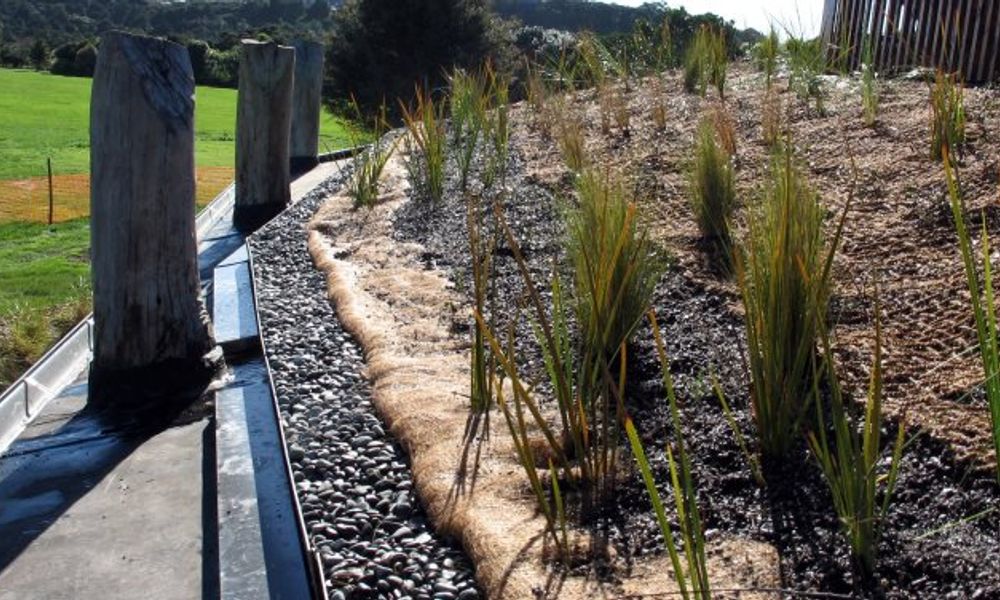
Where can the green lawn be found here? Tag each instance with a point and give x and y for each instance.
(44, 289)
(43, 115)
(41, 267)
(44, 271)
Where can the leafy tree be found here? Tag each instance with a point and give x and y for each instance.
(85, 60)
(39, 55)
(380, 49)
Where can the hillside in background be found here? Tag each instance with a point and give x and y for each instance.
(222, 23)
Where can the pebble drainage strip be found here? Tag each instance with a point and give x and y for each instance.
(353, 480)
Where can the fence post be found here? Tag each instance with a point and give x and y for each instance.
(48, 162)
(263, 126)
(306, 97)
(151, 330)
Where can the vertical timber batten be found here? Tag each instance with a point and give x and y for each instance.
(954, 35)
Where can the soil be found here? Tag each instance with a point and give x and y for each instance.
(943, 527)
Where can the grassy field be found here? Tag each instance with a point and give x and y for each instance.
(44, 271)
(47, 116)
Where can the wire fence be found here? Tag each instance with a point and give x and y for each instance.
(33, 199)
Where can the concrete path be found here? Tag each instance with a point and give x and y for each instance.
(94, 509)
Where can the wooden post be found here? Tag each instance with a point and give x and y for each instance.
(48, 163)
(263, 125)
(306, 98)
(151, 331)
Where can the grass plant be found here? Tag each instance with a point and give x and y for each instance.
(426, 127)
(725, 129)
(620, 111)
(659, 109)
(469, 99)
(982, 299)
(771, 117)
(605, 102)
(26, 332)
(579, 451)
(598, 64)
(765, 55)
(614, 265)
(850, 459)
(784, 278)
(570, 137)
(369, 163)
(614, 274)
(712, 192)
(869, 86)
(947, 115)
(497, 128)
(483, 363)
(535, 91)
(692, 575)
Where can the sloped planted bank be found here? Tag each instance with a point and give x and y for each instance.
(399, 278)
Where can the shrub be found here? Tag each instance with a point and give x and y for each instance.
(850, 463)
(712, 194)
(85, 60)
(947, 115)
(426, 135)
(982, 303)
(807, 63)
(39, 55)
(784, 280)
(65, 59)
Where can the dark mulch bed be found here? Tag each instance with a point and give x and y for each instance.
(926, 552)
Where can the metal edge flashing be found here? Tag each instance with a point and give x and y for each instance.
(311, 556)
(28, 395)
(342, 154)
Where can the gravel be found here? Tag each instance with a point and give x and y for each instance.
(353, 479)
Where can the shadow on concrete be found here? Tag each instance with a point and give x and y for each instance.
(68, 451)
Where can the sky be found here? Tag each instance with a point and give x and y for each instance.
(802, 17)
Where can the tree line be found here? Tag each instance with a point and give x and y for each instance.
(377, 50)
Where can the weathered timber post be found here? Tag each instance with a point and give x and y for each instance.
(263, 125)
(150, 324)
(308, 90)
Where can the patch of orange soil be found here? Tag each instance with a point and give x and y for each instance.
(28, 199)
